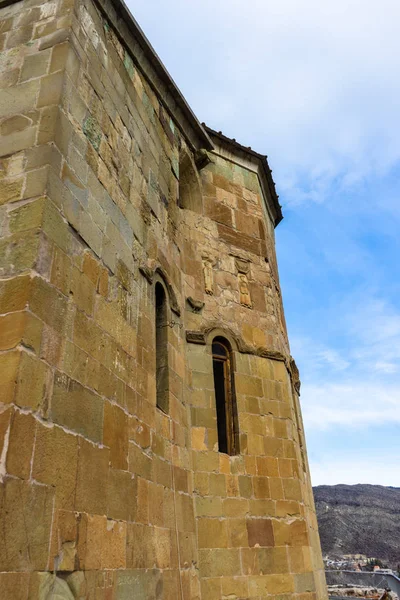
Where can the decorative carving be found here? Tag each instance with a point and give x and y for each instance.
(202, 159)
(196, 337)
(245, 297)
(242, 266)
(208, 276)
(295, 375)
(195, 305)
(147, 273)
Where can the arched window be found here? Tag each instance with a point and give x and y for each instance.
(225, 397)
(190, 196)
(161, 319)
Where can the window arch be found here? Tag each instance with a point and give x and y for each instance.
(161, 323)
(190, 196)
(227, 420)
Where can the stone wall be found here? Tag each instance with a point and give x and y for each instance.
(108, 186)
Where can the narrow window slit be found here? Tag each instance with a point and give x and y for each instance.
(225, 398)
(162, 384)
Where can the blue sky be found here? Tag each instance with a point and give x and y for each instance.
(316, 87)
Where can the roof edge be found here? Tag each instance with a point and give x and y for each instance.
(173, 98)
(263, 161)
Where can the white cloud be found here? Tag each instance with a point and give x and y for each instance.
(359, 385)
(353, 404)
(314, 85)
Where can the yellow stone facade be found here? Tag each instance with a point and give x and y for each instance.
(110, 186)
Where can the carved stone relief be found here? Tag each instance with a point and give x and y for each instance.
(243, 268)
(208, 276)
(245, 297)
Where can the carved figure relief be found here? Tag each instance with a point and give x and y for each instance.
(245, 297)
(243, 267)
(208, 276)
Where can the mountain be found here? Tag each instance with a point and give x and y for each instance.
(362, 519)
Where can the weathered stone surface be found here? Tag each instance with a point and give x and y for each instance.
(25, 518)
(55, 463)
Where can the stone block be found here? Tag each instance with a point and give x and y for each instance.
(272, 560)
(162, 544)
(61, 269)
(59, 57)
(239, 240)
(9, 364)
(287, 508)
(14, 124)
(293, 533)
(77, 408)
(92, 479)
(113, 547)
(138, 584)
(267, 466)
(217, 484)
(292, 489)
(237, 533)
(35, 65)
(28, 216)
(285, 467)
(140, 463)
(36, 182)
(18, 253)
(83, 291)
(18, 99)
(91, 541)
(115, 435)
(271, 585)
(121, 495)
(304, 583)
(250, 386)
(15, 142)
(260, 532)
(235, 507)
(141, 551)
(48, 304)
(33, 378)
(212, 533)
(261, 487)
(219, 562)
(55, 463)
(234, 587)
(20, 445)
(63, 551)
(156, 500)
(220, 213)
(208, 507)
(185, 513)
(25, 519)
(14, 293)
(14, 586)
(12, 327)
(50, 89)
(211, 588)
(276, 488)
(281, 428)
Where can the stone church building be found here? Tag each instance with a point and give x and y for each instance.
(151, 441)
